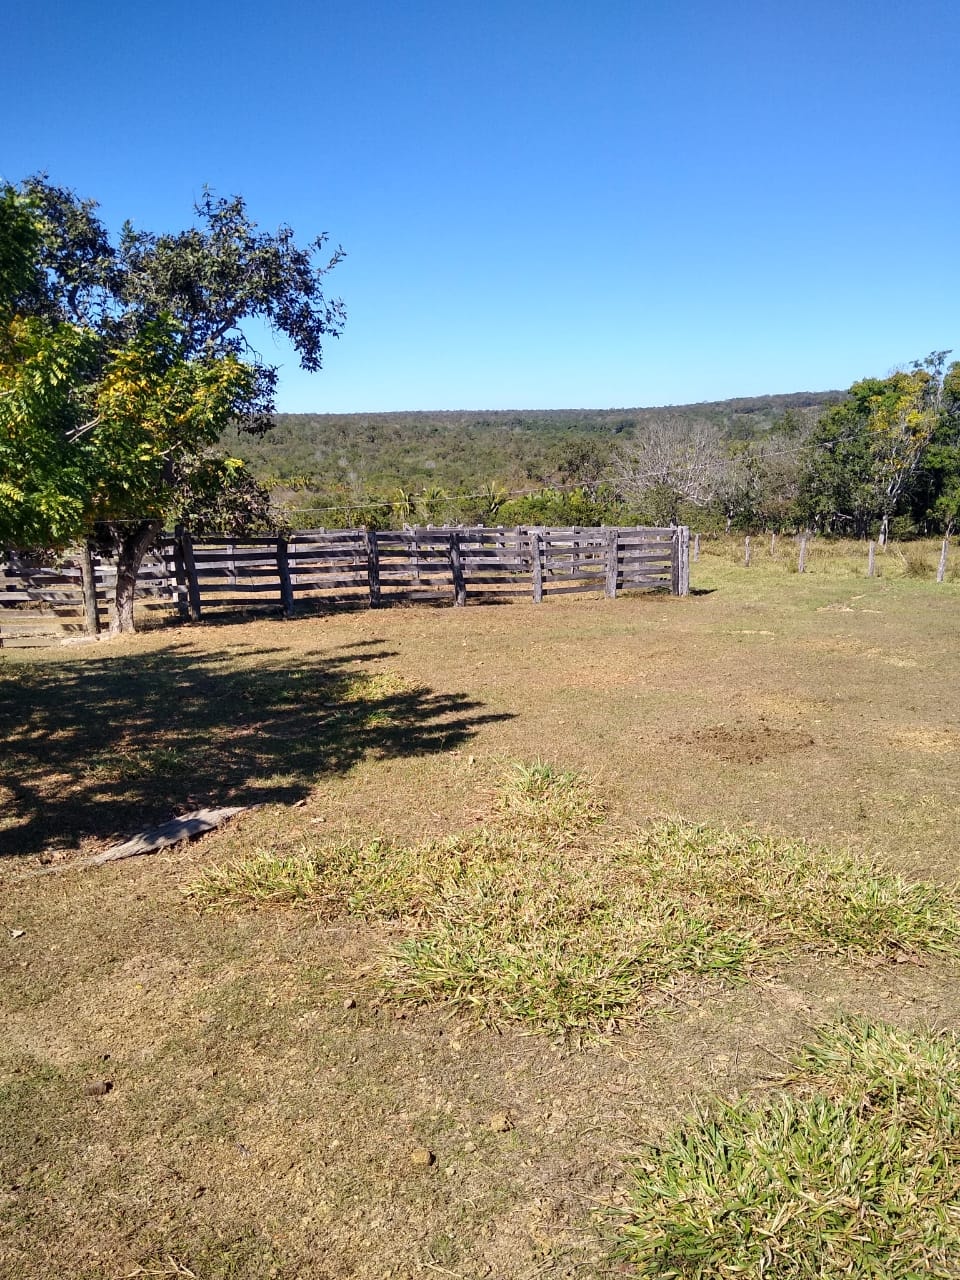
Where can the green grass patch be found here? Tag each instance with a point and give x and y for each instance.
(857, 1172)
(787, 893)
(380, 879)
(569, 944)
(506, 925)
(547, 801)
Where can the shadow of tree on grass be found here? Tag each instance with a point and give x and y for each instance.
(99, 746)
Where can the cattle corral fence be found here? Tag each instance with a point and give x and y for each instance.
(319, 568)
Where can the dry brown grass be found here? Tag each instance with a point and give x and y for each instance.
(266, 1100)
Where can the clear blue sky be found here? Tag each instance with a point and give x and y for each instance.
(544, 204)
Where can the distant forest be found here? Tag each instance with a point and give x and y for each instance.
(312, 461)
(881, 458)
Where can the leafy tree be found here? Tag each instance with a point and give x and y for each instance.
(559, 507)
(43, 483)
(121, 366)
(582, 462)
(431, 505)
(867, 451)
(942, 463)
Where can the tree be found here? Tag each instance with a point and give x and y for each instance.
(759, 487)
(942, 461)
(582, 462)
(867, 451)
(121, 365)
(671, 461)
(43, 483)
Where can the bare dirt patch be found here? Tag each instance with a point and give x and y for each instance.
(746, 742)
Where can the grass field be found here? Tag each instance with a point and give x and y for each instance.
(535, 903)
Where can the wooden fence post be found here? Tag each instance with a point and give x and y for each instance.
(942, 566)
(613, 563)
(185, 544)
(696, 546)
(283, 572)
(746, 552)
(536, 562)
(373, 568)
(88, 581)
(683, 584)
(773, 544)
(456, 571)
(802, 559)
(180, 574)
(676, 553)
(871, 559)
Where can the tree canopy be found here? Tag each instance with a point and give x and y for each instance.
(870, 455)
(121, 365)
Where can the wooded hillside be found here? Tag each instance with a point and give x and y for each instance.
(376, 453)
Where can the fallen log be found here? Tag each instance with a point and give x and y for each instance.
(151, 839)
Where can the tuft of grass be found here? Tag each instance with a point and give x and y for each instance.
(264, 879)
(859, 1175)
(561, 945)
(377, 879)
(570, 944)
(916, 565)
(788, 894)
(506, 925)
(548, 801)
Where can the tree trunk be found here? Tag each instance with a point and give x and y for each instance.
(884, 529)
(132, 543)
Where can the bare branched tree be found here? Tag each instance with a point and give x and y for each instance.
(672, 460)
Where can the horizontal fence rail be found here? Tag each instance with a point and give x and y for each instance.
(342, 567)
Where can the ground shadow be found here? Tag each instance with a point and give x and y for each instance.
(320, 607)
(98, 746)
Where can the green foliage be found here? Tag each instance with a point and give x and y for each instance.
(855, 1176)
(156, 412)
(19, 244)
(891, 437)
(45, 478)
(557, 507)
(357, 459)
(219, 495)
(121, 367)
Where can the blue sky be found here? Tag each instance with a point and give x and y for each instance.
(545, 204)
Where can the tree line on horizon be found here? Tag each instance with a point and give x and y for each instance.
(881, 457)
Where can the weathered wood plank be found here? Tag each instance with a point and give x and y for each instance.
(613, 565)
(283, 572)
(550, 590)
(536, 560)
(373, 569)
(89, 580)
(190, 572)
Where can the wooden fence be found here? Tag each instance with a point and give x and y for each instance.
(316, 568)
